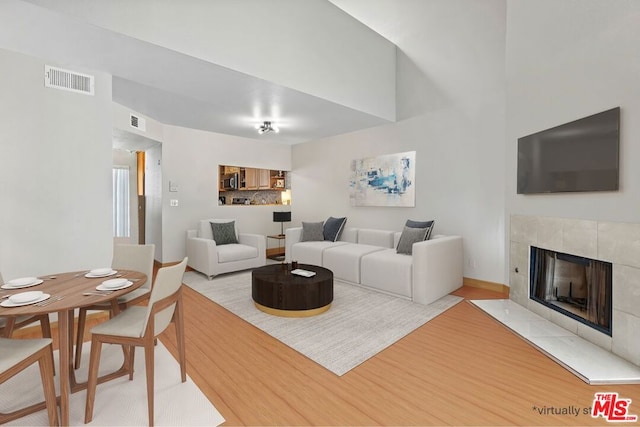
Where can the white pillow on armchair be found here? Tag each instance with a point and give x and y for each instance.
(204, 227)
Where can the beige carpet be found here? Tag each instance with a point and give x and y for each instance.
(119, 402)
(359, 324)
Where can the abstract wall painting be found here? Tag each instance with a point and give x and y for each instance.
(387, 180)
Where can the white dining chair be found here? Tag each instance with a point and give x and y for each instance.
(125, 257)
(139, 326)
(17, 355)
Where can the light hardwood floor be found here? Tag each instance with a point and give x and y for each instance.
(461, 368)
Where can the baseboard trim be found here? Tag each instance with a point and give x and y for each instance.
(482, 284)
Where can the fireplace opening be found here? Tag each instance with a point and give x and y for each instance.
(574, 286)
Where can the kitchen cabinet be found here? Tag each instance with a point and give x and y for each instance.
(251, 178)
(230, 169)
(264, 183)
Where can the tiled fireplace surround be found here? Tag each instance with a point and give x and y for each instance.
(617, 243)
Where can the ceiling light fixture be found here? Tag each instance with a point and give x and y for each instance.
(267, 127)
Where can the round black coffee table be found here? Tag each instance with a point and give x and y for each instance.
(276, 291)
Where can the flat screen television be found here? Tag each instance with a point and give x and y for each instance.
(578, 156)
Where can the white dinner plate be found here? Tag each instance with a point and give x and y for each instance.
(101, 287)
(21, 281)
(114, 283)
(25, 297)
(19, 285)
(9, 303)
(91, 275)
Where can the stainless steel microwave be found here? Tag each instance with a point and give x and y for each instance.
(230, 181)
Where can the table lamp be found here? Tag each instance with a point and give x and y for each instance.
(282, 217)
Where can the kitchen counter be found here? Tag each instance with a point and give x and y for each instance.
(250, 198)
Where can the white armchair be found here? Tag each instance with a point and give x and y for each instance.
(211, 259)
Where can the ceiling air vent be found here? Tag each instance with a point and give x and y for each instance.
(137, 122)
(58, 78)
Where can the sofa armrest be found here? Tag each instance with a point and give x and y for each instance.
(258, 241)
(437, 268)
(291, 236)
(201, 253)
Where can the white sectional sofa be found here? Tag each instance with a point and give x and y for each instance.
(368, 258)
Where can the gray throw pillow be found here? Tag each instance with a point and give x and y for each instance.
(224, 233)
(332, 228)
(312, 231)
(408, 237)
(421, 224)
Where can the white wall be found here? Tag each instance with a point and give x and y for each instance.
(190, 159)
(583, 61)
(311, 45)
(121, 120)
(55, 172)
(451, 99)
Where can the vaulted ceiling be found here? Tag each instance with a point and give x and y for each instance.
(174, 87)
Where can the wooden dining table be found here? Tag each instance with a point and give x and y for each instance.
(67, 292)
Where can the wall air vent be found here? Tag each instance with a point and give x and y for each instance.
(58, 78)
(137, 122)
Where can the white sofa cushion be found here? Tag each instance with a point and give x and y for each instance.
(387, 271)
(311, 252)
(380, 238)
(344, 260)
(349, 234)
(235, 252)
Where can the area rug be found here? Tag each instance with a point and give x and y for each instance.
(359, 324)
(119, 402)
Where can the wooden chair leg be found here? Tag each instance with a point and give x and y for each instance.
(149, 364)
(46, 368)
(178, 320)
(82, 318)
(45, 327)
(8, 327)
(132, 357)
(92, 382)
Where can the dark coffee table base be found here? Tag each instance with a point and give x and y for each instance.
(278, 292)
